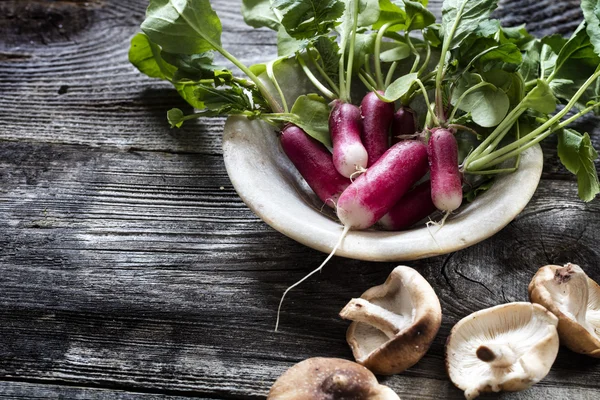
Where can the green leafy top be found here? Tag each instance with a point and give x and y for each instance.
(499, 83)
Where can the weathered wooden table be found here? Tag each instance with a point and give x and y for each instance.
(129, 267)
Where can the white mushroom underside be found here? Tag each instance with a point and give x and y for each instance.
(518, 330)
(401, 305)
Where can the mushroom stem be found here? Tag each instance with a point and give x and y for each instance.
(497, 355)
(361, 310)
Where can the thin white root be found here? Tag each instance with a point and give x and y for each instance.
(359, 170)
(327, 201)
(441, 223)
(428, 225)
(337, 245)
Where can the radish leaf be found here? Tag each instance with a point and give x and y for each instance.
(540, 98)
(305, 19)
(396, 51)
(259, 13)
(287, 45)
(329, 53)
(487, 104)
(145, 56)
(591, 15)
(312, 112)
(400, 87)
(180, 26)
(461, 17)
(417, 16)
(577, 154)
(390, 12)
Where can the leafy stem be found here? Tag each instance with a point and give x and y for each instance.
(440, 70)
(427, 57)
(322, 72)
(377, 55)
(326, 92)
(467, 92)
(534, 136)
(436, 121)
(273, 79)
(346, 97)
(390, 73)
(414, 51)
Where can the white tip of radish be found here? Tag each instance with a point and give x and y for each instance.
(354, 158)
(386, 222)
(447, 201)
(355, 215)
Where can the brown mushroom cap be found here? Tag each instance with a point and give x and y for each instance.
(575, 299)
(322, 378)
(507, 347)
(394, 323)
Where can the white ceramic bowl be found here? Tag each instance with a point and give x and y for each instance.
(274, 190)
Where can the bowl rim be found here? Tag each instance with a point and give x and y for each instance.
(473, 223)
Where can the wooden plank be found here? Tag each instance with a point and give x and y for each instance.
(43, 390)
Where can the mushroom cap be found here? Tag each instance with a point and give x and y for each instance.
(525, 342)
(574, 298)
(416, 315)
(321, 378)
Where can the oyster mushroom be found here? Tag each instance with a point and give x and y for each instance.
(508, 347)
(574, 298)
(322, 378)
(394, 323)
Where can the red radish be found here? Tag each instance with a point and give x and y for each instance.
(377, 118)
(345, 125)
(412, 207)
(404, 124)
(446, 185)
(315, 164)
(376, 191)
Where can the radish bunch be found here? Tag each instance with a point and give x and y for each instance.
(500, 85)
(382, 192)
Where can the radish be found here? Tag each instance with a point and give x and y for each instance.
(412, 207)
(377, 117)
(315, 164)
(345, 125)
(446, 182)
(404, 124)
(376, 191)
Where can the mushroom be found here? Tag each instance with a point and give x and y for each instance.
(322, 378)
(574, 298)
(507, 347)
(394, 323)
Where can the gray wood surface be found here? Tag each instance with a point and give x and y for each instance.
(129, 267)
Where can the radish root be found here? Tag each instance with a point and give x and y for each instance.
(441, 223)
(428, 226)
(337, 245)
(359, 170)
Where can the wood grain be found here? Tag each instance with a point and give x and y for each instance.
(131, 269)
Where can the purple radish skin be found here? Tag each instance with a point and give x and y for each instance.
(315, 164)
(377, 117)
(345, 125)
(446, 182)
(375, 192)
(412, 208)
(404, 124)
